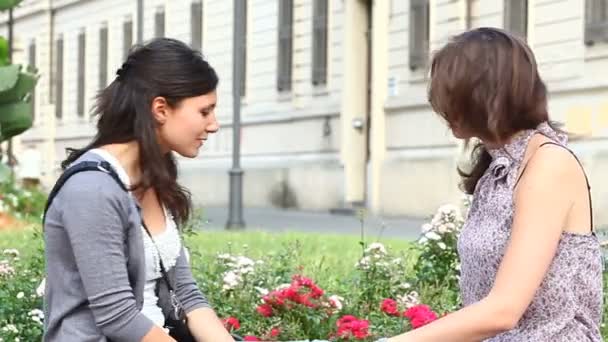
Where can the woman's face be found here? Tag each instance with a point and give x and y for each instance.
(185, 128)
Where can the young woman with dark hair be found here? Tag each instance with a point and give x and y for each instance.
(116, 267)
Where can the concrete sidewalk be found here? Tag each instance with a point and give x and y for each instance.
(280, 221)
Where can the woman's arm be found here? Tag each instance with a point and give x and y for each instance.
(205, 326)
(542, 203)
(203, 323)
(93, 210)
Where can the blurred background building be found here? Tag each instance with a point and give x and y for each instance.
(334, 105)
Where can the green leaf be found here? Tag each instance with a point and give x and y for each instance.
(5, 173)
(4, 60)
(12, 90)
(6, 4)
(9, 75)
(15, 118)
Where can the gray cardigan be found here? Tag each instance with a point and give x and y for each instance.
(95, 264)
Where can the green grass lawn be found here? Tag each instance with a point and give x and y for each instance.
(325, 255)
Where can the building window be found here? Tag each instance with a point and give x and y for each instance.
(127, 34)
(240, 40)
(419, 34)
(516, 17)
(319, 42)
(285, 52)
(80, 77)
(103, 56)
(32, 65)
(596, 21)
(159, 22)
(59, 78)
(196, 22)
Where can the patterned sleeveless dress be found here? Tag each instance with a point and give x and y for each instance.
(568, 305)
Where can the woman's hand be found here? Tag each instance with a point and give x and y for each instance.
(205, 326)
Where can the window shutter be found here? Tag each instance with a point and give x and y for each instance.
(59, 78)
(516, 17)
(285, 53)
(596, 21)
(196, 23)
(319, 43)
(103, 57)
(127, 33)
(419, 34)
(80, 77)
(32, 63)
(159, 22)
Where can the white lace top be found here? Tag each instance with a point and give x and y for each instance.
(168, 243)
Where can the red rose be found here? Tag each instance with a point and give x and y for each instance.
(275, 332)
(264, 310)
(350, 326)
(345, 319)
(250, 338)
(389, 307)
(231, 323)
(420, 315)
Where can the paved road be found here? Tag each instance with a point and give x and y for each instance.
(277, 220)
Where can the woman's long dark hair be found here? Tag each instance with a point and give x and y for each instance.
(486, 81)
(162, 67)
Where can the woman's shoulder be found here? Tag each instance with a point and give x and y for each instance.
(91, 186)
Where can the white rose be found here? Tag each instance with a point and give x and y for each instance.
(427, 227)
(433, 236)
(376, 247)
(336, 301)
(20, 295)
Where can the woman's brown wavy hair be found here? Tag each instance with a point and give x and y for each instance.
(486, 81)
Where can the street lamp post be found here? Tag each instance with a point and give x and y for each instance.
(235, 214)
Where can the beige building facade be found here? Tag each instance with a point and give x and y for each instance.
(334, 111)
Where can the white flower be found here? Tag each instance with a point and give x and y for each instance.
(397, 261)
(283, 286)
(364, 263)
(449, 209)
(242, 261)
(37, 315)
(20, 295)
(376, 247)
(6, 269)
(36, 312)
(405, 286)
(40, 289)
(11, 252)
(10, 328)
(231, 280)
(224, 256)
(427, 227)
(433, 236)
(382, 264)
(423, 240)
(336, 301)
(262, 291)
(409, 300)
(442, 245)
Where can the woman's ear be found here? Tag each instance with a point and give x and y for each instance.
(160, 109)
